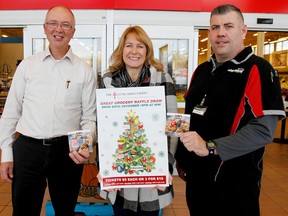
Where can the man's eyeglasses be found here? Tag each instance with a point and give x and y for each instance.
(64, 26)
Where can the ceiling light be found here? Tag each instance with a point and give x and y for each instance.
(282, 39)
(205, 39)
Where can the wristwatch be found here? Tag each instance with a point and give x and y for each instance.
(211, 146)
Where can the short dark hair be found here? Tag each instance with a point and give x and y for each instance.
(225, 8)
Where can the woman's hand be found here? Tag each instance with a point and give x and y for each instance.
(109, 190)
(162, 188)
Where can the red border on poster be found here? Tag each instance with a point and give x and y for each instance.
(135, 180)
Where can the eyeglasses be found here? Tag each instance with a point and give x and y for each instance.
(64, 26)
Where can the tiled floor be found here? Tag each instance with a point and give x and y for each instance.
(273, 200)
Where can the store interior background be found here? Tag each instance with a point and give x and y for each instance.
(11, 50)
(272, 46)
(275, 43)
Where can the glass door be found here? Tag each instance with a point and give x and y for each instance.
(173, 46)
(89, 43)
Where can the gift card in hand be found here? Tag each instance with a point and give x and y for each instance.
(177, 123)
(80, 140)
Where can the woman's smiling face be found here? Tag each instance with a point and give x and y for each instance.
(134, 53)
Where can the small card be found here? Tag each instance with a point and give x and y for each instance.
(177, 123)
(80, 140)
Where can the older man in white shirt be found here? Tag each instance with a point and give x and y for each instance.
(52, 93)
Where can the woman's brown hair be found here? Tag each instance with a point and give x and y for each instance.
(116, 58)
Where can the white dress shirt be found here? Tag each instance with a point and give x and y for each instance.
(48, 98)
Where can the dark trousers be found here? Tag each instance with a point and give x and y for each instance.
(35, 166)
(205, 198)
(201, 196)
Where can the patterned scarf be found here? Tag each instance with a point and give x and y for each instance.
(125, 80)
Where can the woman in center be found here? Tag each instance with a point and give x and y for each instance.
(133, 65)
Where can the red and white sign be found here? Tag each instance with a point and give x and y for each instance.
(248, 6)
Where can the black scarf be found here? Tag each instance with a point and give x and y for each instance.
(124, 80)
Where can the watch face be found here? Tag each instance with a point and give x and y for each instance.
(211, 145)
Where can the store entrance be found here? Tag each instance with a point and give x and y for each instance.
(265, 44)
(11, 54)
(272, 46)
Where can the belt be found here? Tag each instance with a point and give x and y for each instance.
(47, 141)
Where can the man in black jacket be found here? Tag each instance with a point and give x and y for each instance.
(235, 102)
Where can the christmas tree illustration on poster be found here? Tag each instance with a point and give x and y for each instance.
(132, 143)
(133, 155)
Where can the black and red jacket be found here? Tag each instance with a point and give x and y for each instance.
(237, 91)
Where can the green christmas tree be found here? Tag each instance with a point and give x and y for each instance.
(131, 156)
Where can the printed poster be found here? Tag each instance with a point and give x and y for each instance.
(132, 143)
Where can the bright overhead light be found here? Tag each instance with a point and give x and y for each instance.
(205, 39)
(282, 39)
(256, 34)
(4, 36)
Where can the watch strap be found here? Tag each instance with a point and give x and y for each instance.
(211, 146)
